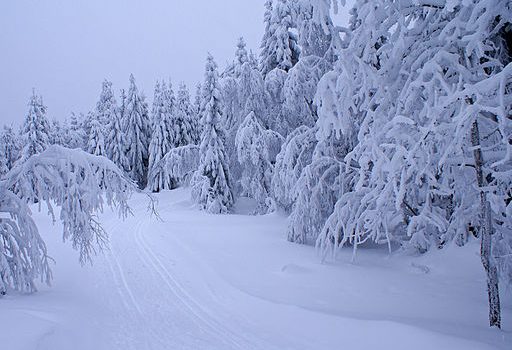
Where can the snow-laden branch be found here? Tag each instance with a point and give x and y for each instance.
(77, 182)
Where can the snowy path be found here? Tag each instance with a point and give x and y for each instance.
(197, 281)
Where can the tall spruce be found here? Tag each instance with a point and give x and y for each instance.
(161, 139)
(137, 133)
(36, 128)
(279, 46)
(211, 188)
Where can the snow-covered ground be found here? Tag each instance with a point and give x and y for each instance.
(189, 280)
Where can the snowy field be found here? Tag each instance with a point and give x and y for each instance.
(190, 280)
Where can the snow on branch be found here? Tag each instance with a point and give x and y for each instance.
(77, 182)
(176, 167)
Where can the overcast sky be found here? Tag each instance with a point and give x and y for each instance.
(64, 49)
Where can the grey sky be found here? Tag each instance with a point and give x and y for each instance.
(65, 48)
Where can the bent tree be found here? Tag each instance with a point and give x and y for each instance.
(80, 184)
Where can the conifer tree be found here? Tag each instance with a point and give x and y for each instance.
(11, 147)
(57, 133)
(36, 128)
(211, 183)
(96, 143)
(106, 107)
(162, 137)
(279, 47)
(241, 56)
(116, 143)
(138, 133)
(186, 118)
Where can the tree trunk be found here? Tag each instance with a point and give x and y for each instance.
(486, 228)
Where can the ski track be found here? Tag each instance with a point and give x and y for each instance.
(203, 318)
(180, 305)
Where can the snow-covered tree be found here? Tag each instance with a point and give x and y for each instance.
(186, 118)
(116, 143)
(274, 86)
(241, 55)
(253, 143)
(58, 177)
(279, 46)
(36, 128)
(211, 183)
(79, 130)
(106, 107)
(299, 91)
(96, 143)
(137, 133)
(296, 153)
(318, 36)
(163, 138)
(314, 197)
(57, 133)
(10, 148)
(175, 168)
(428, 90)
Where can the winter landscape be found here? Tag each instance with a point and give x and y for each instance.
(344, 180)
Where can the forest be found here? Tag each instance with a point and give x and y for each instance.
(394, 131)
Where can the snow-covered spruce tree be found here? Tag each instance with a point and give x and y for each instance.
(116, 143)
(137, 134)
(435, 138)
(155, 105)
(163, 137)
(96, 143)
(318, 36)
(78, 131)
(58, 177)
(241, 56)
(186, 118)
(4, 168)
(36, 128)
(252, 146)
(211, 183)
(279, 46)
(106, 107)
(10, 148)
(57, 133)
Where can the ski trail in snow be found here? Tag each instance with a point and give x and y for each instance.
(203, 317)
(126, 294)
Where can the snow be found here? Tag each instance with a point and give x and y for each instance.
(192, 280)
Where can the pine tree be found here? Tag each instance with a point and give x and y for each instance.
(36, 128)
(211, 184)
(317, 33)
(106, 107)
(186, 118)
(137, 133)
(279, 47)
(116, 143)
(57, 133)
(162, 137)
(241, 56)
(10, 147)
(96, 143)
